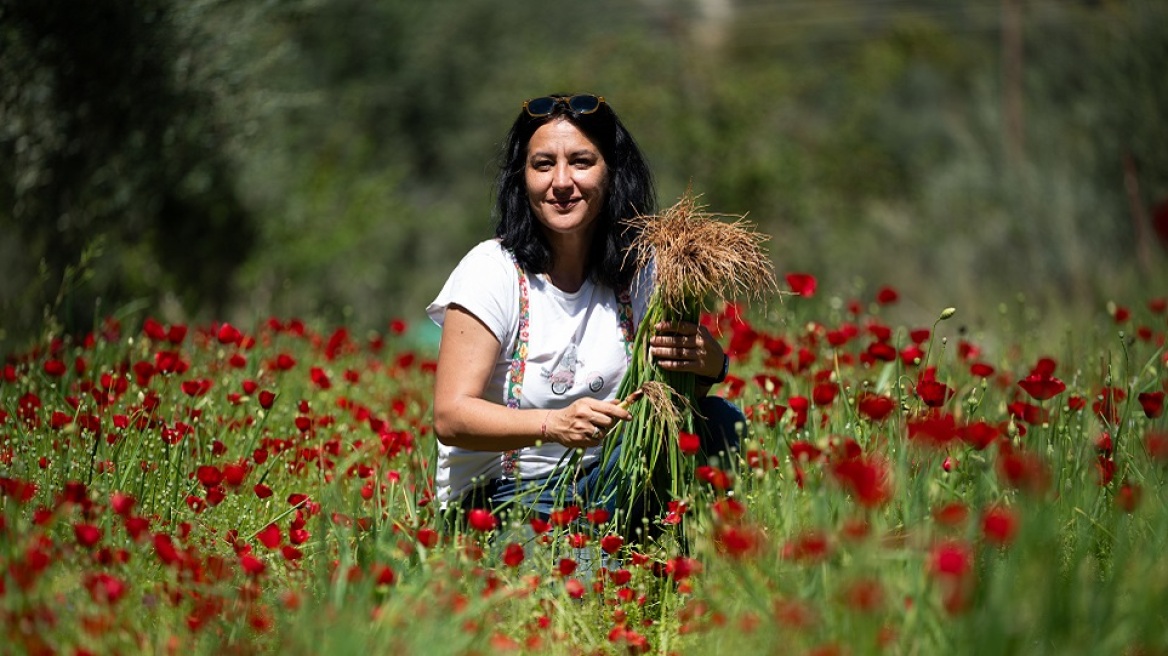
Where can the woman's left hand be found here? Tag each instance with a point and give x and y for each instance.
(685, 346)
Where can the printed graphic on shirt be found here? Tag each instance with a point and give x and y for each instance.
(562, 376)
(595, 381)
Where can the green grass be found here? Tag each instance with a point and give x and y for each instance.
(846, 551)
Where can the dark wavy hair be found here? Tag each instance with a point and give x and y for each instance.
(630, 192)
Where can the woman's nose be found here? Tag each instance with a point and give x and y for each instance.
(561, 177)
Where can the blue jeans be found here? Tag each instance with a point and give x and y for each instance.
(718, 424)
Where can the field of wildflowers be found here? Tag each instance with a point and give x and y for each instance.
(902, 490)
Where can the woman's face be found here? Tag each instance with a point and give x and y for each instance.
(567, 178)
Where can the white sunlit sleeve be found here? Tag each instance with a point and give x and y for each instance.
(486, 284)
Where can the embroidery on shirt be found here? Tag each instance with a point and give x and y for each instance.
(625, 313)
(563, 376)
(518, 363)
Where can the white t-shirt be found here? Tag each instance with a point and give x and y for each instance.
(576, 348)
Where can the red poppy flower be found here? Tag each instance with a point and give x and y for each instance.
(270, 536)
(1105, 470)
(165, 549)
(1118, 312)
(681, 568)
(1022, 470)
(912, 355)
(1106, 404)
(737, 541)
(597, 516)
(874, 406)
(229, 334)
(197, 387)
(880, 352)
(760, 459)
(769, 383)
(565, 516)
(824, 394)
(1152, 403)
(234, 473)
(1041, 383)
(865, 478)
(574, 588)
(766, 413)
(934, 429)
(951, 514)
(805, 452)
(689, 444)
(209, 475)
(104, 588)
(55, 368)
(176, 334)
(513, 555)
(864, 596)
(981, 370)
(802, 284)
(674, 512)
(999, 525)
(714, 477)
(799, 405)
(153, 329)
(887, 296)
(87, 535)
(979, 434)
(1128, 496)
(935, 394)
(566, 566)
(1028, 412)
(951, 559)
(251, 565)
(811, 546)
(611, 544)
(1156, 445)
(481, 520)
(320, 378)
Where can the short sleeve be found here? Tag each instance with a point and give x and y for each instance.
(486, 284)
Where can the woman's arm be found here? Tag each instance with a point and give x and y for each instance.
(463, 418)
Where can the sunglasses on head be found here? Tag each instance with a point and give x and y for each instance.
(584, 103)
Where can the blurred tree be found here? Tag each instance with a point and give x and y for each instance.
(107, 133)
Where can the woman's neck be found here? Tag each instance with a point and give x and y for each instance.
(569, 261)
(569, 264)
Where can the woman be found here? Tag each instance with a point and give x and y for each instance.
(536, 323)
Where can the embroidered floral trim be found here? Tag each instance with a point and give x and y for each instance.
(625, 313)
(518, 364)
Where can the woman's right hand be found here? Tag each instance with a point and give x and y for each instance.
(584, 424)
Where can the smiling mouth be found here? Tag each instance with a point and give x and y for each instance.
(564, 204)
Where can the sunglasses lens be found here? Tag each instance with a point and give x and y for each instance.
(584, 104)
(541, 106)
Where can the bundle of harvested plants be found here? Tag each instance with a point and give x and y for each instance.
(697, 259)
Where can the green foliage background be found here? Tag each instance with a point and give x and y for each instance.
(231, 159)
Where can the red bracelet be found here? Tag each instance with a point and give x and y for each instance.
(543, 428)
